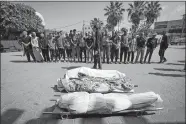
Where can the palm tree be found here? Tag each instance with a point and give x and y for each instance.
(152, 12)
(136, 12)
(97, 26)
(114, 13)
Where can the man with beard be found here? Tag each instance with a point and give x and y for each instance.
(26, 41)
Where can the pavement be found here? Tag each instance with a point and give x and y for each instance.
(26, 89)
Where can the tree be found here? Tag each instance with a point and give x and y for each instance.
(152, 12)
(18, 17)
(114, 13)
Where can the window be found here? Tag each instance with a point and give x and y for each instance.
(160, 26)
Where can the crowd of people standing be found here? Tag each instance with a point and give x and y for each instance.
(62, 47)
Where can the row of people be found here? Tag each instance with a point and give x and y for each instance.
(72, 46)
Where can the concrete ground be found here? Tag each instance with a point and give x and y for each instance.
(26, 89)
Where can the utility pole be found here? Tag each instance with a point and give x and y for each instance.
(83, 28)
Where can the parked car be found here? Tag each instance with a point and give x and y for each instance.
(178, 41)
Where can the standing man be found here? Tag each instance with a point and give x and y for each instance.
(26, 41)
(151, 45)
(89, 47)
(124, 46)
(163, 46)
(115, 47)
(43, 44)
(74, 44)
(67, 45)
(82, 46)
(97, 50)
(60, 46)
(106, 47)
(71, 36)
(140, 47)
(51, 45)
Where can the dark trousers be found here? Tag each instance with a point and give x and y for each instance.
(97, 62)
(68, 51)
(148, 52)
(162, 55)
(123, 50)
(83, 51)
(114, 53)
(106, 52)
(29, 52)
(45, 53)
(61, 53)
(140, 51)
(131, 56)
(52, 53)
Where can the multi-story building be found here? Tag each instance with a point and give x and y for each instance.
(173, 27)
(87, 29)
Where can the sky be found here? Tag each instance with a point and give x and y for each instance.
(70, 15)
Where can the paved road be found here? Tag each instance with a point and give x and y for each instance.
(26, 89)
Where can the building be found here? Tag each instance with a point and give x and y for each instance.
(87, 29)
(173, 27)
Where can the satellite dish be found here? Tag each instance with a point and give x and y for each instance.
(41, 17)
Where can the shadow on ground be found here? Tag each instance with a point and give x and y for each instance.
(182, 61)
(16, 55)
(174, 64)
(44, 119)
(11, 115)
(71, 67)
(167, 75)
(19, 61)
(167, 69)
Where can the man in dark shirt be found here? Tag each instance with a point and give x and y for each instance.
(97, 50)
(26, 41)
(89, 47)
(140, 47)
(151, 45)
(43, 45)
(115, 47)
(124, 46)
(163, 46)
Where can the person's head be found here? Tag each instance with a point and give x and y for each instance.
(74, 31)
(141, 34)
(66, 34)
(70, 31)
(24, 33)
(42, 35)
(164, 32)
(33, 34)
(154, 35)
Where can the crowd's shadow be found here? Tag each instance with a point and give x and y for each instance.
(11, 115)
(16, 55)
(166, 69)
(19, 61)
(174, 64)
(71, 67)
(167, 75)
(182, 61)
(98, 119)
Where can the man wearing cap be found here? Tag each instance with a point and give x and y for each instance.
(151, 45)
(163, 46)
(140, 47)
(89, 47)
(26, 41)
